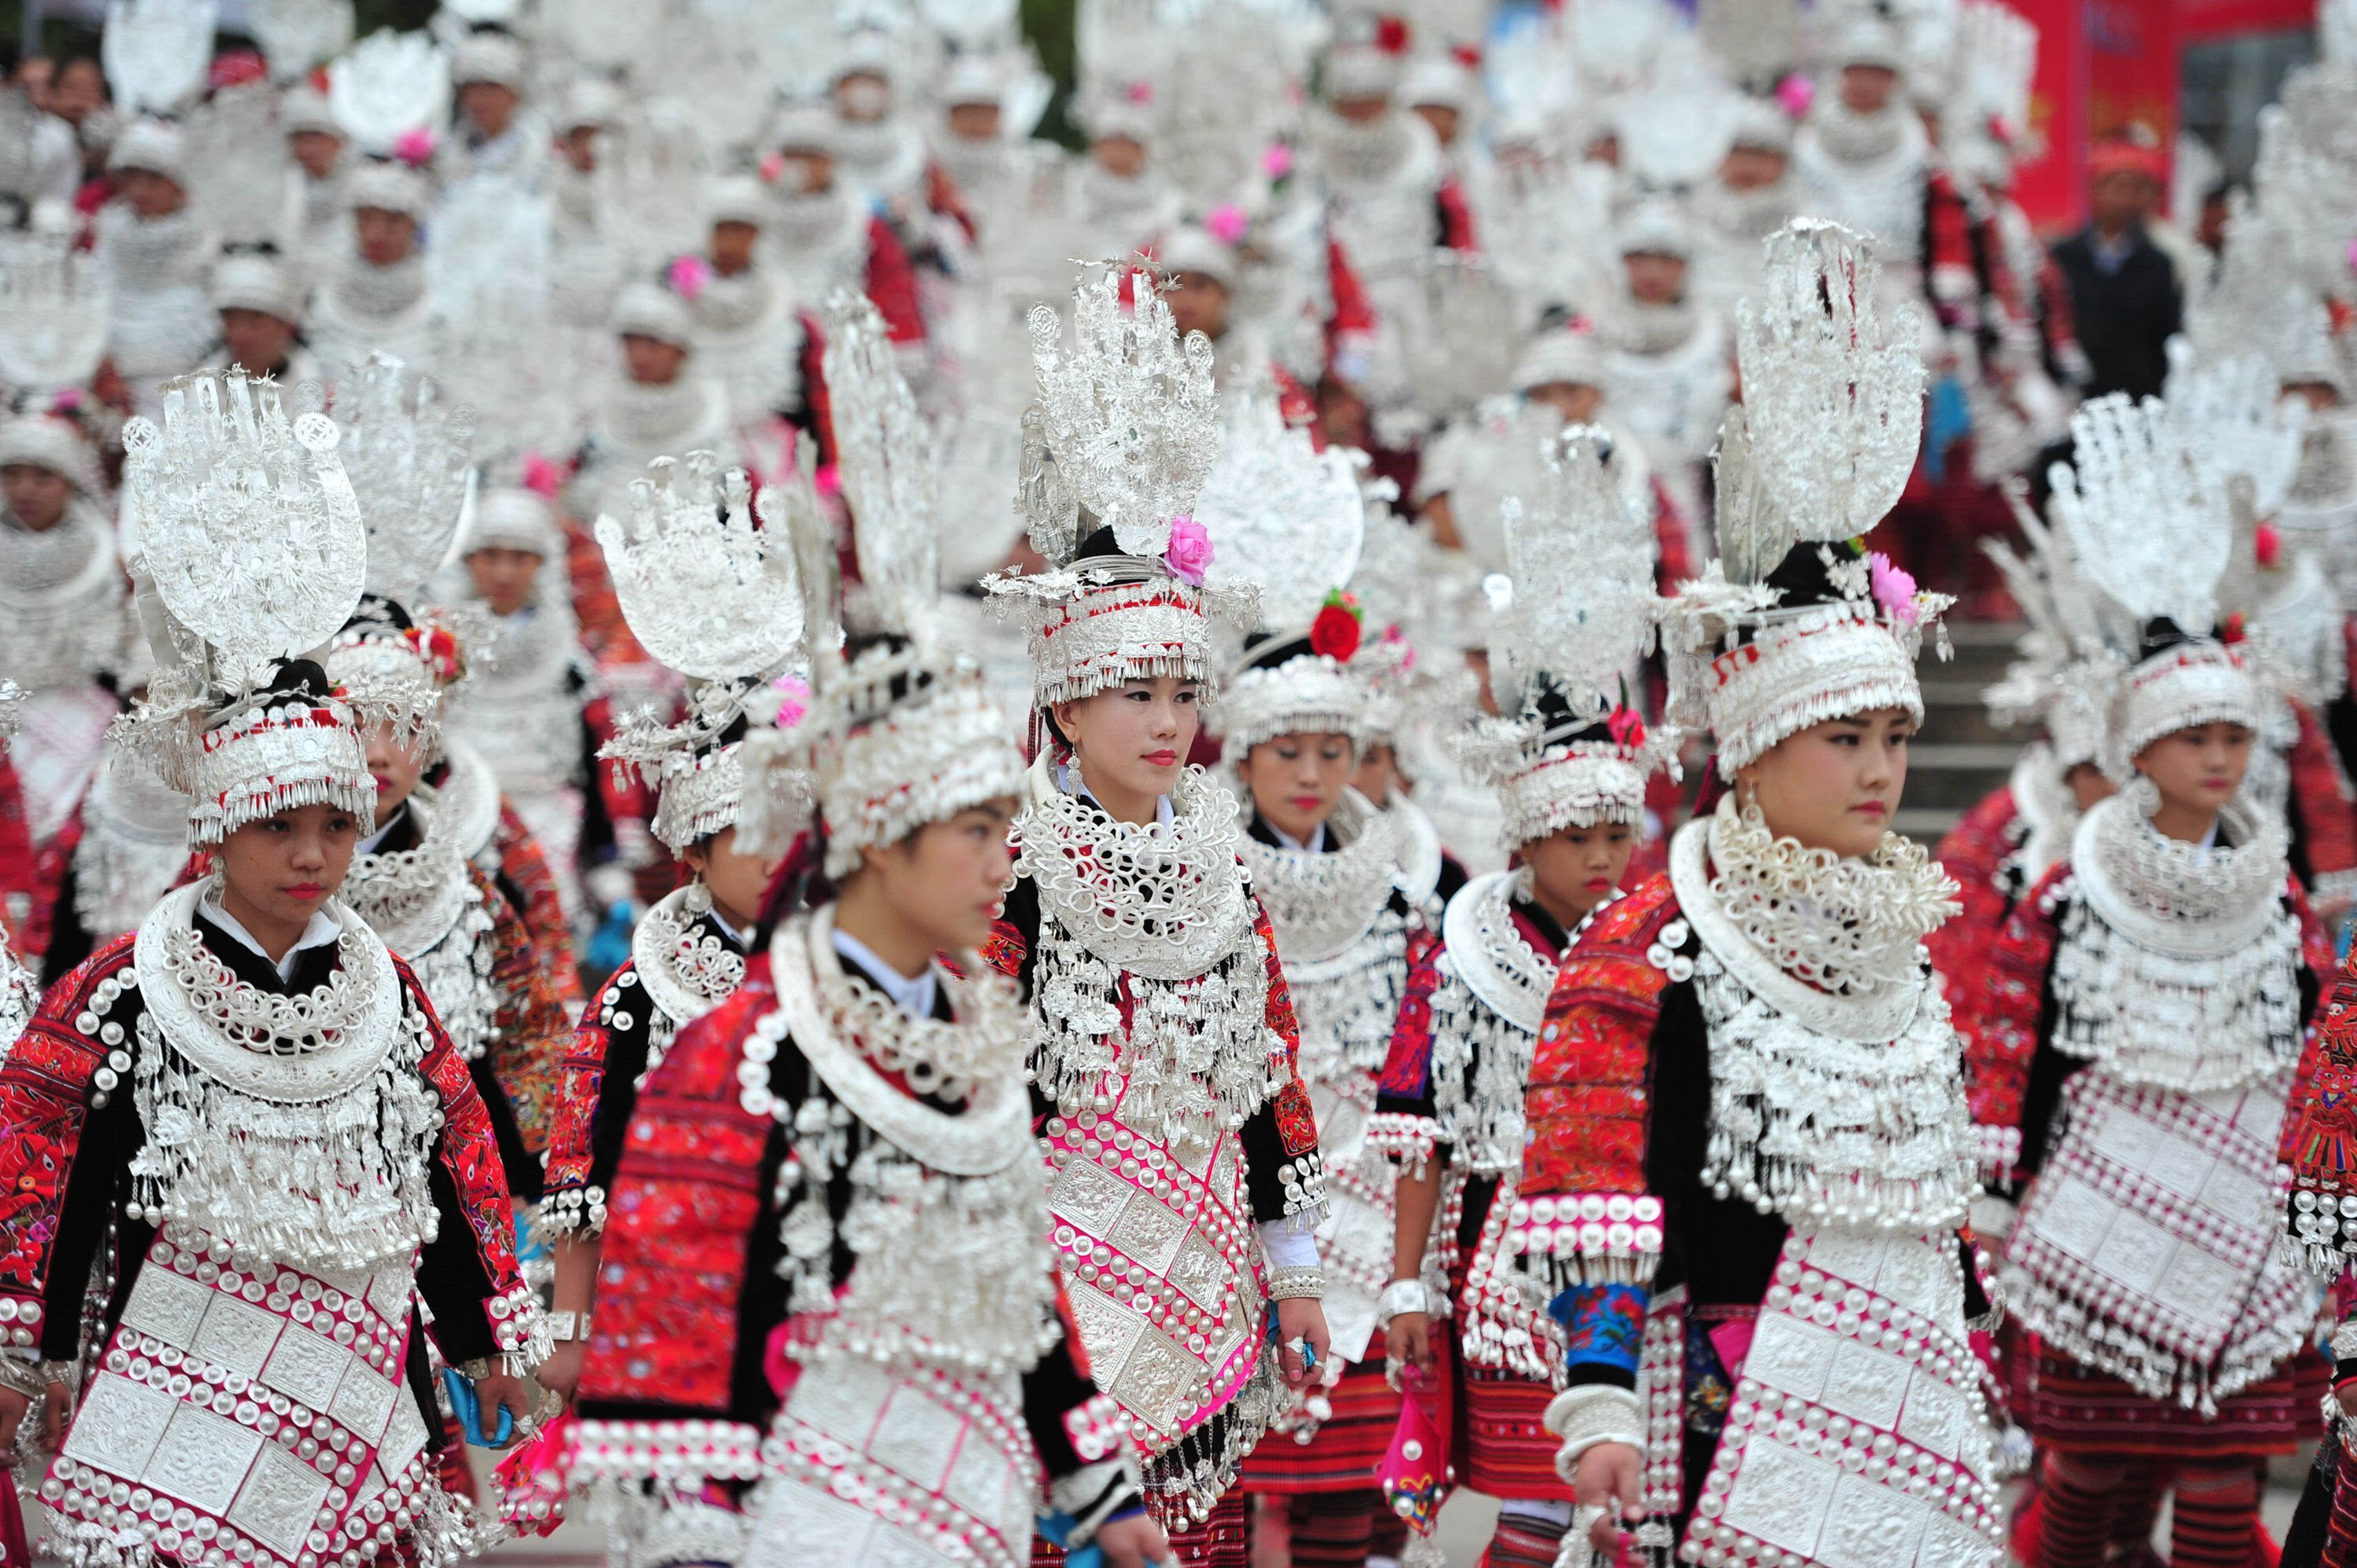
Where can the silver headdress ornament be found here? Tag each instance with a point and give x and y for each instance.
(156, 52)
(296, 34)
(254, 553)
(237, 163)
(2066, 671)
(1582, 615)
(900, 731)
(717, 600)
(2236, 422)
(55, 304)
(1292, 520)
(405, 453)
(1121, 436)
(1817, 452)
(2151, 534)
(387, 85)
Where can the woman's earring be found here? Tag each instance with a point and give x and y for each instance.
(2142, 793)
(697, 901)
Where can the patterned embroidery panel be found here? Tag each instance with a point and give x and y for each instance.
(259, 1413)
(44, 1082)
(2156, 1218)
(534, 1026)
(1586, 1108)
(469, 1150)
(1857, 1438)
(898, 1468)
(1152, 1254)
(1355, 1243)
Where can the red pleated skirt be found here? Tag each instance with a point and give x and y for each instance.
(1504, 1450)
(1222, 1541)
(2073, 1409)
(1342, 1455)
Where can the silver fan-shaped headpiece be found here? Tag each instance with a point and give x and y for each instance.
(885, 460)
(56, 303)
(2149, 528)
(155, 52)
(1833, 404)
(1281, 515)
(1582, 563)
(389, 84)
(408, 454)
(1127, 420)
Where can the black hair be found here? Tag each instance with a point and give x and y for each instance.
(2161, 634)
(298, 678)
(1557, 720)
(1264, 651)
(902, 686)
(375, 612)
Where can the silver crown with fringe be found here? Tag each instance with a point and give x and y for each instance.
(1122, 435)
(1816, 454)
(712, 596)
(254, 553)
(899, 731)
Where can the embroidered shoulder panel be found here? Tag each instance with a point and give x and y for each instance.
(2008, 997)
(1407, 1068)
(468, 1148)
(528, 1056)
(1973, 854)
(1297, 1123)
(1585, 1107)
(684, 1204)
(45, 1088)
(570, 1133)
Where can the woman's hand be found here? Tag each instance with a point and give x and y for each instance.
(1606, 1479)
(1133, 1543)
(1299, 1318)
(1407, 1343)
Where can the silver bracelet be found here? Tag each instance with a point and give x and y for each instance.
(27, 1378)
(2344, 1341)
(1406, 1296)
(1296, 1284)
(1590, 1414)
(566, 1328)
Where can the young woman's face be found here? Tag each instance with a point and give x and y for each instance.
(284, 867)
(395, 766)
(503, 578)
(948, 879)
(1133, 738)
(1378, 773)
(736, 881)
(1836, 785)
(2198, 770)
(386, 237)
(1576, 868)
(1297, 781)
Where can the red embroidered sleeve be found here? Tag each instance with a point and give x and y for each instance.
(523, 865)
(570, 1154)
(1403, 1127)
(892, 285)
(680, 1219)
(1588, 1103)
(528, 1056)
(2007, 999)
(2328, 809)
(1003, 949)
(1972, 854)
(1296, 1124)
(469, 1152)
(45, 1087)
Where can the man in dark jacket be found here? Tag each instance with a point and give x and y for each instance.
(2125, 296)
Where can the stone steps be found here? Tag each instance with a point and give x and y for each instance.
(1962, 755)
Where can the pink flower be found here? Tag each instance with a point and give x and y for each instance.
(542, 476)
(415, 146)
(1277, 160)
(1893, 588)
(67, 401)
(1227, 223)
(1140, 92)
(688, 275)
(1795, 93)
(1626, 725)
(793, 699)
(772, 166)
(2267, 545)
(1190, 555)
(828, 480)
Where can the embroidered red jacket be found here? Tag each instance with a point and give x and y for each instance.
(58, 1192)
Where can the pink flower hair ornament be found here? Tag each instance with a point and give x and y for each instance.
(415, 146)
(1893, 588)
(1188, 554)
(688, 275)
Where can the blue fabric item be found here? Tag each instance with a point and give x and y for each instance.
(1946, 421)
(1602, 1325)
